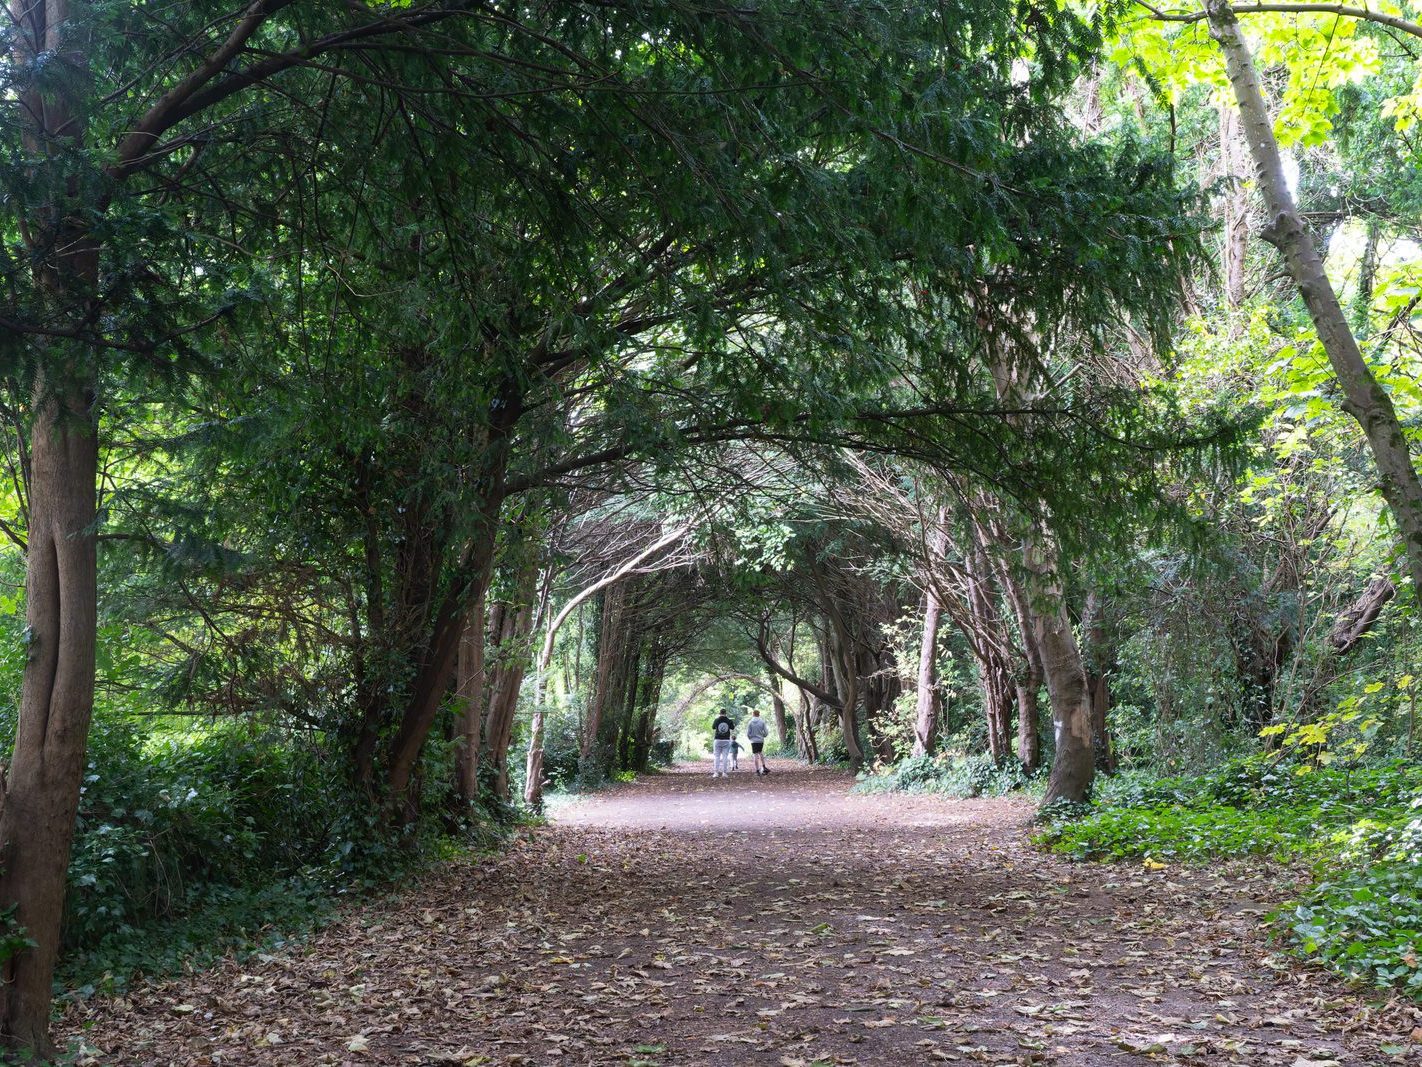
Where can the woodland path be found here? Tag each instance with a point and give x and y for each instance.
(682, 920)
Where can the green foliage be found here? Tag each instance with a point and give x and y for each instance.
(951, 775)
(196, 840)
(1365, 923)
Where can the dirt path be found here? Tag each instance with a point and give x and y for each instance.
(784, 921)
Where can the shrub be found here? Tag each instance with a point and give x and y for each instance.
(950, 775)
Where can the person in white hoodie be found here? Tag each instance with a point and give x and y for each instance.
(756, 732)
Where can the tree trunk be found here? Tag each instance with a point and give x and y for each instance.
(1100, 659)
(1029, 739)
(649, 697)
(469, 694)
(805, 746)
(925, 730)
(1364, 398)
(844, 664)
(41, 796)
(777, 703)
(1030, 674)
(598, 750)
(998, 694)
(1074, 765)
(1234, 155)
(505, 684)
(39, 791)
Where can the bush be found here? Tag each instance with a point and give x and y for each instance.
(949, 775)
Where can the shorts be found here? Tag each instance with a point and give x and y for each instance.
(756, 746)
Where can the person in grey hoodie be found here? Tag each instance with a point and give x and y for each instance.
(757, 731)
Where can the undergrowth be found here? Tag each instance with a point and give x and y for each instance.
(194, 843)
(1359, 829)
(949, 774)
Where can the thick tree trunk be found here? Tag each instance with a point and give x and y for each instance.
(1364, 398)
(432, 681)
(1030, 675)
(469, 695)
(1100, 660)
(843, 663)
(615, 649)
(1029, 738)
(649, 696)
(41, 796)
(1074, 764)
(39, 790)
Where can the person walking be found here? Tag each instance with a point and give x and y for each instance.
(756, 732)
(721, 730)
(735, 753)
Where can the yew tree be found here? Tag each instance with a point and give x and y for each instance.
(392, 269)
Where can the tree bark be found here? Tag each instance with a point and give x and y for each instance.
(1100, 663)
(615, 648)
(1234, 155)
(1364, 397)
(1352, 625)
(1074, 765)
(469, 694)
(777, 704)
(925, 730)
(39, 791)
(505, 683)
(1029, 737)
(41, 796)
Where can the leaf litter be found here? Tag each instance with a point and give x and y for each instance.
(782, 921)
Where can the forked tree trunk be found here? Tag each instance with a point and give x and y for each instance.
(1363, 397)
(998, 699)
(805, 746)
(1030, 674)
(39, 791)
(41, 796)
(469, 695)
(1074, 766)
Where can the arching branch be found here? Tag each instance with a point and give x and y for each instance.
(1344, 10)
(762, 639)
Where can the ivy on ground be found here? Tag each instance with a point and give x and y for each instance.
(1360, 830)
